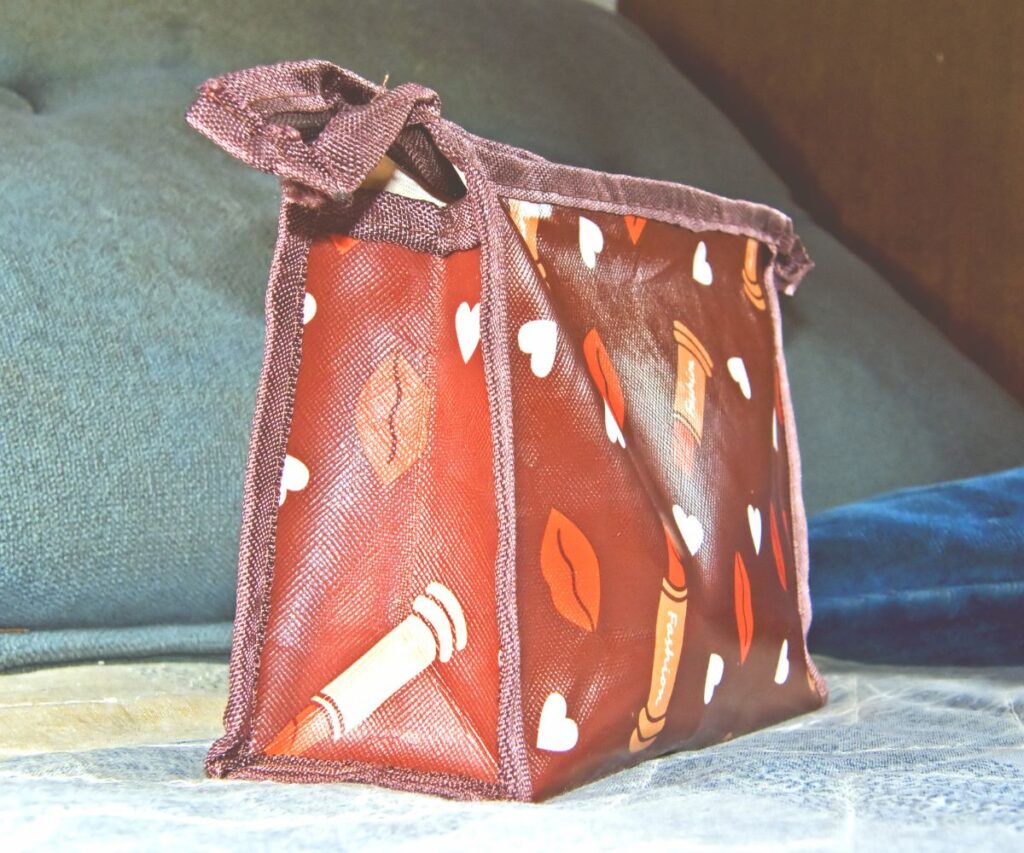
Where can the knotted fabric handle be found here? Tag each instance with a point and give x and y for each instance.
(317, 125)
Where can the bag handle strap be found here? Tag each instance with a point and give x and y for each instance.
(320, 127)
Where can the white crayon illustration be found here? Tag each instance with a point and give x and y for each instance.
(434, 631)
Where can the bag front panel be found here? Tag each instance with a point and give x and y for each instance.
(657, 583)
(381, 642)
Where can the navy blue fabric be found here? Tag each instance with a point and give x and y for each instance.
(932, 575)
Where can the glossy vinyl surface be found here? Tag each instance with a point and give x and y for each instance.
(390, 427)
(391, 423)
(622, 490)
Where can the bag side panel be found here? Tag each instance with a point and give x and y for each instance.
(658, 588)
(386, 517)
(367, 640)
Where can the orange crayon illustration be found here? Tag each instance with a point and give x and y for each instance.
(744, 607)
(607, 381)
(668, 645)
(751, 286)
(692, 373)
(526, 215)
(780, 560)
(433, 631)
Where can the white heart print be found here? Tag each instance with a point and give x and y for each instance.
(716, 668)
(467, 329)
(538, 339)
(702, 273)
(782, 669)
(556, 732)
(754, 520)
(308, 308)
(294, 478)
(690, 529)
(738, 371)
(591, 242)
(611, 427)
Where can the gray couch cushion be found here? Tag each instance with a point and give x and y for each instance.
(133, 257)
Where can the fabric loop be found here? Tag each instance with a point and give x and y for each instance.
(313, 126)
(355, 140)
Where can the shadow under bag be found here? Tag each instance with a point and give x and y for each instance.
(523, 504)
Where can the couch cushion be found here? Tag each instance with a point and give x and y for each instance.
(133, 258)
(931, 575)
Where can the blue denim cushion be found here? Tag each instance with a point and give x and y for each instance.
(923, 576)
